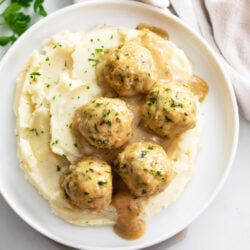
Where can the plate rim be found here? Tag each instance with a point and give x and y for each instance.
(235, 126)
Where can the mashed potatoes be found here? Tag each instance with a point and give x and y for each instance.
(63, 77)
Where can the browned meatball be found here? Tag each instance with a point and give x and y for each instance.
(88, 184)
(169, 109)
(144, 167)
(129, 69)
(104, 122)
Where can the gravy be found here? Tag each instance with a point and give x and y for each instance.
(161, 32)
(129, 225)
(199, 87)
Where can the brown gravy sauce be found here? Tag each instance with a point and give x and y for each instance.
(161, 32)
(199, 87)
(129, 225)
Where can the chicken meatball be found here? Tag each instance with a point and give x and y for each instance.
(88, 184)
(144, 167)
(129, 69)
(169, 109)
(104, 122)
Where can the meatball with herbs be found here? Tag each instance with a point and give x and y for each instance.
(104, 122)
(144, 167)
(169, 109)
(129, 69)
(88, 184)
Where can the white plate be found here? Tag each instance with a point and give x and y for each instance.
(219, 137)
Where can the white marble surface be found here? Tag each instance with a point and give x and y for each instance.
(225, 225)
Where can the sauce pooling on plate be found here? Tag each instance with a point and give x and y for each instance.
(129, 226)
(144, 99)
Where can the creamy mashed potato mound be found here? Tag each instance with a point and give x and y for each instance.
(55, 82)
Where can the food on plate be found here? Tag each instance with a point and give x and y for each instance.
(104, 122)
(109, 124)
(144, 167)
(129, 69)
(128, 224)
(169, 109)
(88, 184)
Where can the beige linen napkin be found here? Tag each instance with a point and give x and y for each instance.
(225, 24)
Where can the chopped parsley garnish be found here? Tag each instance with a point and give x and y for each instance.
(101, 183)
(176, 104)
(34, 130)
(122, 77)
(58, 168)
(96, 128)
(155, 173)
(34, 75)
(57, 45)
(109, 123)
(158, 173)
(94, 60)
(102, 142)
(98, 50)
(152, 100)
(69, 125)
(136, 79)
(55, 142)
(92, 138)
(105, 113)
(143, 153)
(98, 104)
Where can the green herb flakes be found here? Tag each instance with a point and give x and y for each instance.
(143, 153)
(95, 61)
(176, 104)
(55, 142)
(34, 130)
(58, 168)
(34, 75)
(102, 183)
